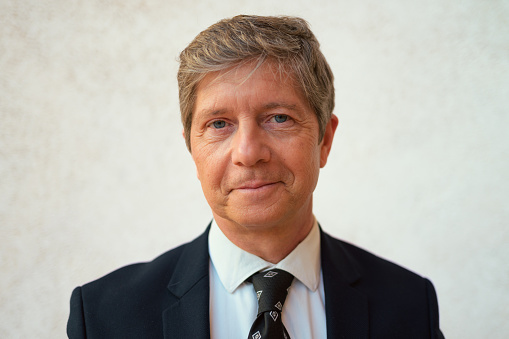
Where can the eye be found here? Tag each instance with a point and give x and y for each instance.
(219, 124)
(280, 118)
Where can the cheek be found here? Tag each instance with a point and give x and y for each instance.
(304, 160)
(210, 169)
(201, 161)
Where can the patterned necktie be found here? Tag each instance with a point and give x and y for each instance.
(271, 288)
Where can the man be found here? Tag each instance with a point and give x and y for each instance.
(256, 98)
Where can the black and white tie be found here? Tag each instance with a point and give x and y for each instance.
(271, 289)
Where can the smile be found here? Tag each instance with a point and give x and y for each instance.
(256, 187)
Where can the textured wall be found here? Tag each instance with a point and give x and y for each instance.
(94, 173)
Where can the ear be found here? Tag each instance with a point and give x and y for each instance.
(328, 136)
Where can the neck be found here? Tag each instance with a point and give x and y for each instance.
(272, 243)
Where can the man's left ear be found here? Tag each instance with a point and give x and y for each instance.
(328, 136)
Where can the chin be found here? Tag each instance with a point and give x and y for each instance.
(251, 219)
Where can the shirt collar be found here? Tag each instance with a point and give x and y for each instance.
(234, 265)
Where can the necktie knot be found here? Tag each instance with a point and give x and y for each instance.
(271, 289)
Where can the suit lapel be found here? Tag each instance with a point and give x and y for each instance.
(188, 313)
(346, 308)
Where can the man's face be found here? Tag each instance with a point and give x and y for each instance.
(254, 140)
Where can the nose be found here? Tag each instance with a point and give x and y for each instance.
(249, 145)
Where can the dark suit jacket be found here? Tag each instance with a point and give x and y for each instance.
(365, 297)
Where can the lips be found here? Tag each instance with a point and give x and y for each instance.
(254, 185)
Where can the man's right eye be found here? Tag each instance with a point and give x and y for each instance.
(219, 124)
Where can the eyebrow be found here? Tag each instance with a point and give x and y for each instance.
(211, 112)
(272, 105)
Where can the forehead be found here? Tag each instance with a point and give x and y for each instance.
(258, 83)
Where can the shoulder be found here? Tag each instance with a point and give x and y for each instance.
(136, 294)
(357, 263)
(139, 274)
(399, 300)
(153, 275)
(129, 288)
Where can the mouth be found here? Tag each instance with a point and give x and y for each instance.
(255, 186)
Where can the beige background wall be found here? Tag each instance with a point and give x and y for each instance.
(94, 173)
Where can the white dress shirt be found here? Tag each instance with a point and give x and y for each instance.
(233, 303)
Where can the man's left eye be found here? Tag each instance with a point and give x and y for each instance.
(280, 118)
(219, 124)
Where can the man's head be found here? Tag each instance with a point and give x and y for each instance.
(287, 42)
(256, 97)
